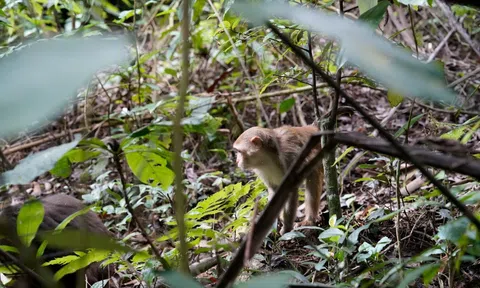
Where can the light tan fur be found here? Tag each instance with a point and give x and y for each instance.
(269, 153)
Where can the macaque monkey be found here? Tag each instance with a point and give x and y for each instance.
(269, 153)
(57, 208)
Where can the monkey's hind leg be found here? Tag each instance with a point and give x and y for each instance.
(313, 193)
(289, 213)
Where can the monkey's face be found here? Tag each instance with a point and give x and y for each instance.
(248, 155)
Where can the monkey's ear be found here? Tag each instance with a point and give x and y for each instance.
(255, 140)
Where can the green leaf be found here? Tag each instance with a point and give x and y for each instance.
(353, 237)
(287, 104)
(382, 243)
(39, 79)
(35, 165)
(171, 71)
(394, 98)
(365, 251)
(453, 230)
(291, 235)
(406, 125)
(149, 167)
(430, 273)
(372, 53)
(179, 280)
(81, 262)
(331, 232)
(365, 5)
(78, 155)
(332, 220)
(414, 274)
(62, 168)
(198, 8)
(29, 219)
(7, 248)
(375, 14)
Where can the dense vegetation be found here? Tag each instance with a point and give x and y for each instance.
(140, 128)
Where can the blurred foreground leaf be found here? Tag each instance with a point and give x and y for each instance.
(392, 66)
(35, 165)
(39, 79)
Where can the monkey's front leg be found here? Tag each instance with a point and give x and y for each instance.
(289, 213)
(271, 192)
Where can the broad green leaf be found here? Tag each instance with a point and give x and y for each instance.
(62, 168)
(365, 251)
(179, 280)
(287, 104)
(353, 237)
(35, 165)
(39, 79)
(331, 232)
(394, 98)
(382, 243)
(78, 155)
(29, 219)
(81, 262)
(414, 274)
(365, 5)
(375, 14)
(291, 235)
(149, 167)
(375, 55)
(430, 273)
(453, 230)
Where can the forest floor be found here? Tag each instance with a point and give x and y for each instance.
(370, 179)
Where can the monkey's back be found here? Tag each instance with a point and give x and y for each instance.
(292, 139)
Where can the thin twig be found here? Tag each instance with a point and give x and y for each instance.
(314, 79)
(235, 115)
(468, 75)
(180, 197)
(440, 45)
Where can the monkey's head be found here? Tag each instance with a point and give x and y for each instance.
(252, 147)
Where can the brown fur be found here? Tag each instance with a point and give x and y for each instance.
(57, 208)
(269, 153)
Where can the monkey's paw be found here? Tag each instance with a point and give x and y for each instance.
(306, 222)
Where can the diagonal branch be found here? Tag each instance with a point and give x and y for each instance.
(405, 154)
(464, 165)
